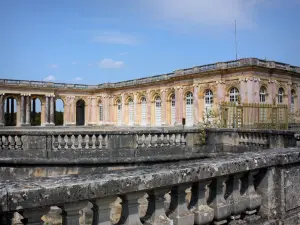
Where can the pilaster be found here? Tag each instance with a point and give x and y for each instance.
(28, 104)
(2, 109)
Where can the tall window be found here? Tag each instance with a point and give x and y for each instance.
(208, 100)
(292, 101)
(173, 109)
(143, 111)
(130, 111)
(157, 111)
(119, 112)
(233, 94)
(262, 95)
(100, 111)
(280, 95)
(189, 109)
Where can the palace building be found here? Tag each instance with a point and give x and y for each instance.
(162, 100)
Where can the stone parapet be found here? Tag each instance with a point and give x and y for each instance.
(245, 188)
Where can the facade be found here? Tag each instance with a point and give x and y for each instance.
(162, 100)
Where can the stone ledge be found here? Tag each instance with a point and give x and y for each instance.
(37, 192)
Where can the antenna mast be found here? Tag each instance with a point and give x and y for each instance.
(235, 40)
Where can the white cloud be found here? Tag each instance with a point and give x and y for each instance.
(49, 78)
(54, 66)
(110, 64)
(203, 12)
(78, 78)
(116, 38)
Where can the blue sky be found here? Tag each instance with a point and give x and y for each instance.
(112, 40)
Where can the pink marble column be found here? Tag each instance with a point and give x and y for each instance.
(196, 104)
(288, 94)
(220, 92)
(163, 106)
(243, 90)
(135, 109)
(72, 109)
(67, 110)
(149, 107)
(123, 109)
(179, 102)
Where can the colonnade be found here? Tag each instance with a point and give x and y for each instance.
(167, 106)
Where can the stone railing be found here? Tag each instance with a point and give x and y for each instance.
(82, 146)
(245, 188)
(197, 69)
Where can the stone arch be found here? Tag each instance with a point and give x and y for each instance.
(36, 110)
(10, 110)
(59, 111)
(80, 112)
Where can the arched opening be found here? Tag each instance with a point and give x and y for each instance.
(280, 95)
(233, 94)
(59, 112)
(173, 109)
(10, 111)
(157, 111)
(130, 112)
(36, 109)
(189, 109)
(293, 93)
(119, 112)
(262, 99)
(262, 94)
(143, 111)
(208, 102)
(100, 111)
(80, 115)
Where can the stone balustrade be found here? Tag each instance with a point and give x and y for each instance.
(245, 188)
(204, 68)
(136, 145)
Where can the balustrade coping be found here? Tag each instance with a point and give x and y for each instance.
(244, 62)
(78, 131)
(52, 191)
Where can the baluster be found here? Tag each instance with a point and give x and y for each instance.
(198, 205)
(90, 141)
(156, 212)
(97, 142)
(69, 141)
(172, 139)
(238, 203)
(62, 142)
(6, 218)
(178, 211)
(104, 141)
(55, 142)
(177, 139)
(19, 142)
(253, 200)
(159, 140)
(5, 143)
(33, 216)
(166, 140)
(76, 141)
(101, 211)
(182, 140)
(217, 201)
(130, 209)
(153, 140)
(148, 141)
(12, 142)
(70, 212)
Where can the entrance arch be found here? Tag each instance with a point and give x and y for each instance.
(36, 111)
(80, 116)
